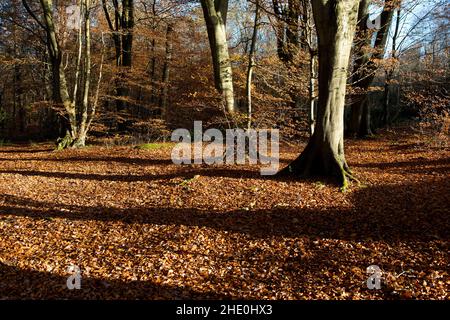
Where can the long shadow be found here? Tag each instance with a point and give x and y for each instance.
(27, 151)
(18, 283)
(391, 213)
(406, 164)
(124, 160)
(187, 172)
(88, 176)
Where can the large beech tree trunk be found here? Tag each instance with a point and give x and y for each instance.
(324, 155)
(215, 14)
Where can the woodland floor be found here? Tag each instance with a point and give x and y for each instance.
(139, 228)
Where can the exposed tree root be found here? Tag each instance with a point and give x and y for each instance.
(314, 162)
(64, 143)
(69, 142)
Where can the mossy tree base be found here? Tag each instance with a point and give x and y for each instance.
(320, 161)
(69, 142)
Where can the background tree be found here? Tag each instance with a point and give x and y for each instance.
(366, 65)
(77, 107)
(215, 14)
(251, 63)
(171, 84)
(121, 25)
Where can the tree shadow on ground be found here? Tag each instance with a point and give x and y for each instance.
(419, 162)
(16, 283)
(393, 212)
(22, 150)
(189, 173)
(88, 158)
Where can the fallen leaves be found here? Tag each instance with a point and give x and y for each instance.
(140, 227)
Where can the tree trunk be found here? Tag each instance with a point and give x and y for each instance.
(215, 14)
(251, 65)
(364, 68)
(164, 100)
(57, 67)
(122, 33)
(324, 154)
(127, 37)
(80, 140)
(312, 92)
(386, 101)
(79, 117)
(310, 42)
(390, 74)
(287, 30)
(152, 71)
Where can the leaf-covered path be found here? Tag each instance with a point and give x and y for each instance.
(140, 227)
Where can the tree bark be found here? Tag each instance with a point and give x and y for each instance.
(251, 65)
(287, 30)
(122, 27)
(79, 115)
(215, 14)
(324, 154)
(57, 67)
(80, 139)
(164, 100)
(390, 74)
(312, 91)
(310, 42)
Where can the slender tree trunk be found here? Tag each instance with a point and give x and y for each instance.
(324, 154)
(164, 100)
(153, 71)
(215, 14)
(127, 37)
(153, 61)
(97, 91)
(80, 140)
(122, 27)
(312, 92)
(310, 42)
(126, 28)
(386, 101)
(251, 65)
(390, 74)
